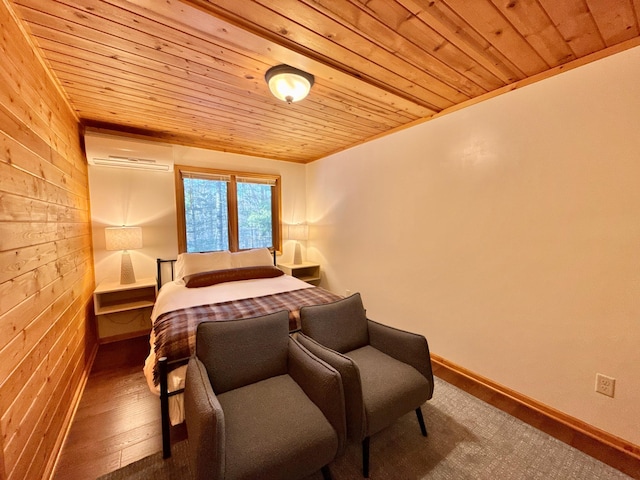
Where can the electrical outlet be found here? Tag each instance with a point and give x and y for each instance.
(605, 385)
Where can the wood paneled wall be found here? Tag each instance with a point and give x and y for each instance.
(47, 335)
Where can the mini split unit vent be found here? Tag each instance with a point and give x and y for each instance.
(107, 150)
(130, 162)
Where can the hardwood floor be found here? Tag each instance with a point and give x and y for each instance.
(118, 419)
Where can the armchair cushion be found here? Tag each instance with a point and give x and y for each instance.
(347, 316)
(391, 388)
(243, 351)
(277, 410)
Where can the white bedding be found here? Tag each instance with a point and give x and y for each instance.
(175, 295)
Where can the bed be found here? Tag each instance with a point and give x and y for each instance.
(210, 287)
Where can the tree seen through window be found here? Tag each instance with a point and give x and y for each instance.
(227, 211)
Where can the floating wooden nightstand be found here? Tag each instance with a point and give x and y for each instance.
(115, 298)
(306, 271)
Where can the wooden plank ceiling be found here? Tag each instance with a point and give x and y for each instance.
(192, 72)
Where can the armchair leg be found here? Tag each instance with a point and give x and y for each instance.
(365, 457)
(326, 473)
(423, 429)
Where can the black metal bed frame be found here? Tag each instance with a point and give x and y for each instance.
(164, 366)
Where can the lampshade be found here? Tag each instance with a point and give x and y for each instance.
(123, 238)
(288, 83)
(298, 232)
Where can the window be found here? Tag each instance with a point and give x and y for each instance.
(221, 210)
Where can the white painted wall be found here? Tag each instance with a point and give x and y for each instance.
(508, 233)
(147, 199)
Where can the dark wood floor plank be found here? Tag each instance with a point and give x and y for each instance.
(118, 419)
(78, 467)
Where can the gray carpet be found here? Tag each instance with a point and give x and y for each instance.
(468, 440)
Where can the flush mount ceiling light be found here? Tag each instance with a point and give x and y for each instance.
(288, 84)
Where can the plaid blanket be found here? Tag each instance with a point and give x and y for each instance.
(175, 332)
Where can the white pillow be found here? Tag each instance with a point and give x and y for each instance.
(258, 257)
(190, 263)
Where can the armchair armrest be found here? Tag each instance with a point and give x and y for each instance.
(404, 346)
(350, 376)
(322, 384)
(205, 424)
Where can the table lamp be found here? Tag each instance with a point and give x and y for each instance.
(298, 232)
(125, 239)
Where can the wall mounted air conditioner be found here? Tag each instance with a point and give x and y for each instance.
(129, 162)
(106, 150)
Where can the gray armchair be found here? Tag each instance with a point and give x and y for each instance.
(386, 372)
(259, 405)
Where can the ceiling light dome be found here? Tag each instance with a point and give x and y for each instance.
(288, 83)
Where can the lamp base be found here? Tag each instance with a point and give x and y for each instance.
(297, 255)
(126, 270)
